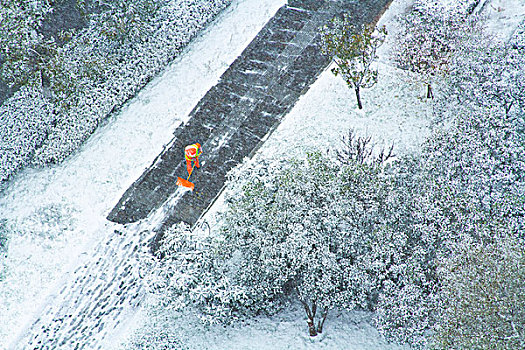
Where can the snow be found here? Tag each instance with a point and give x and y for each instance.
(56, 215)
(503, 17)
(286, 330)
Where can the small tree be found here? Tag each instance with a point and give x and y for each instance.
(429, 36)
(353, 50)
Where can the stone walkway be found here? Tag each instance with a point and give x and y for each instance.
(234, 118)
(90, 306)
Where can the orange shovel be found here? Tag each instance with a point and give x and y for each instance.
(186, 183)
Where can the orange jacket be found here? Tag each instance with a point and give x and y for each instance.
(192, 151)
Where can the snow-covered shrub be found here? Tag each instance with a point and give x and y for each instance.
(353, 50)
(192, 272)
(25, 121)
(430, 34)
(482, 302)
(304, 229)
(471, 184)
(404, 303)
(488, 74)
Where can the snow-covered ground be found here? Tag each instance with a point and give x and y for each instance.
(57, 214)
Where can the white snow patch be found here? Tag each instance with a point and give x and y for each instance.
(503, 17)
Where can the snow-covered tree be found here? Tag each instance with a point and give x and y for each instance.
(489, 74)
(127, 21)
(354, 51)
(303, 230)
(430, 34)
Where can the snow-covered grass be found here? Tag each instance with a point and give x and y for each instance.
(285, 330)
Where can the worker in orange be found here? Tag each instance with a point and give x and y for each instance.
(192, 152)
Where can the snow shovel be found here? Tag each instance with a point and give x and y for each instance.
(186, 183)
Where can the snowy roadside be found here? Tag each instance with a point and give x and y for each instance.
(56, 215)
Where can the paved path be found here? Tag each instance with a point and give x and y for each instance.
(233, 119)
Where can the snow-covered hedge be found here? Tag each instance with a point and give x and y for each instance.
(93, 74)
(25, 124)
(470, 204)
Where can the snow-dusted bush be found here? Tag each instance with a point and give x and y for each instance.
(354, 51)
(431, 33)
(101, 66)
(301, 229)
(482, 302)
(471, 184)
(192, 272)
(25, 121)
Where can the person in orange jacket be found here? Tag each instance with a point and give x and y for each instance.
(192, 153)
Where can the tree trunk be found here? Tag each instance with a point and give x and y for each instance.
(321, 322)
(429, 91)
(358, 95)
(311, 316)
